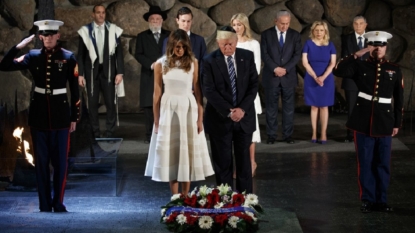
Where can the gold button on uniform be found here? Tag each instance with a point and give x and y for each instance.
(378, 74)
(47, 73)
(49, 61)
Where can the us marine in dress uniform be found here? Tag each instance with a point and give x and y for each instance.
(374, 120)
(51, 116)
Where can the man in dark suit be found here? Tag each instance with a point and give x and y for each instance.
(148, 50)
(101, 66)
(184, 20)
(230, 83)
(51, 118)
(376, 117)
(280, 51)
(350, 44)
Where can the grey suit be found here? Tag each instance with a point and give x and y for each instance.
(287, 57)
(147, 52)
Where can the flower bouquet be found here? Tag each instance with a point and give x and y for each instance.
(212, 210)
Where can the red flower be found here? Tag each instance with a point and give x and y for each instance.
(191, 219)
(221, 219)
(172, 217)
(212, 199)
(238, 199)
(191, 201)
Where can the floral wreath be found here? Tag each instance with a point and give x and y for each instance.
(212, 210)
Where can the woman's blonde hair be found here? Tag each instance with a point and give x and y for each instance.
(184, 62)
(326, 37)
(241, 17)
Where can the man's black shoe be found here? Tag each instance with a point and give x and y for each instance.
(382, 207)
(366, 207)
(348, 139)
(289, 140)
(59, 209)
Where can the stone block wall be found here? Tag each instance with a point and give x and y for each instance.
(394, 16)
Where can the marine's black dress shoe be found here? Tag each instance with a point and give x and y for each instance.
(270, 140)
(366, 207)
(59, 209)
(382, 207)
(46, 210)
(348, 138)
(289, 140)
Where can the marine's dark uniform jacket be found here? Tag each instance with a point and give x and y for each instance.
(379, 81)
(51, 71)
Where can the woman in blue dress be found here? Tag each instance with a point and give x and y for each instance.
(319, 59)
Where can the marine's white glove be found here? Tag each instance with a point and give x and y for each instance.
(25, 42)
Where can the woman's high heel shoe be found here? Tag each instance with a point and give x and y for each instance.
(313, 140)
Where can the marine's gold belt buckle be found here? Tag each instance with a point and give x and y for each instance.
(375, 99)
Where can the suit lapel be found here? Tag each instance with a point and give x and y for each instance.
(220, 62)
(276, 39)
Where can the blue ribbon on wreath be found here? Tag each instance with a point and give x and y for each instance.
(184, 209)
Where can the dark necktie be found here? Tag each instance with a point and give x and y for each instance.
(360, 44)
(281, 39)
(232, 76)
(157, 36)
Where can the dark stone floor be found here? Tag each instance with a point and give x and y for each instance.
(317, 184)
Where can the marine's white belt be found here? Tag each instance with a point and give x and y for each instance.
(371, 98)
(50, 91)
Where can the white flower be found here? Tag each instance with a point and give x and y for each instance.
(202, 202)
(163, 211)
(234, 193)
(204, 191)
(181, 219)
(252, 215)
(225, 198)
(218, 205)
(223, 189)
(175, 196)
(233, 221)
(205, 222)
(251, 199)
(165, 219)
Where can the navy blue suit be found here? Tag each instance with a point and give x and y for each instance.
(223, 132)
(273, 56)
(50, 115)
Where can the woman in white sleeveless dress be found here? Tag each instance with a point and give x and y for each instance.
(178, 150)
(240, 24)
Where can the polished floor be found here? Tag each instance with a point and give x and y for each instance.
(315, 186)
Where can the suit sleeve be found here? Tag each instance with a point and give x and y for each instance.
(211, 93)
(296, 53)
(82, 52)
(119, 57)
(398, 100)
(163, 51)
(74, 89)
(139, 53)
(9, 63)
(345, 51)
(252, 90)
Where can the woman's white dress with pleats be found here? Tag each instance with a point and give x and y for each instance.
(177, 151)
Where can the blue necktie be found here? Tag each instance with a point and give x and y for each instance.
(281, 40)
(360, 44)
(232, 76)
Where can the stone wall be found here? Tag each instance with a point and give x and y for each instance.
(394, 16)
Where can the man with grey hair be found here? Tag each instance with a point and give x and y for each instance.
(352, 43)
(148, 47)
(280, 51)
(230, 82)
